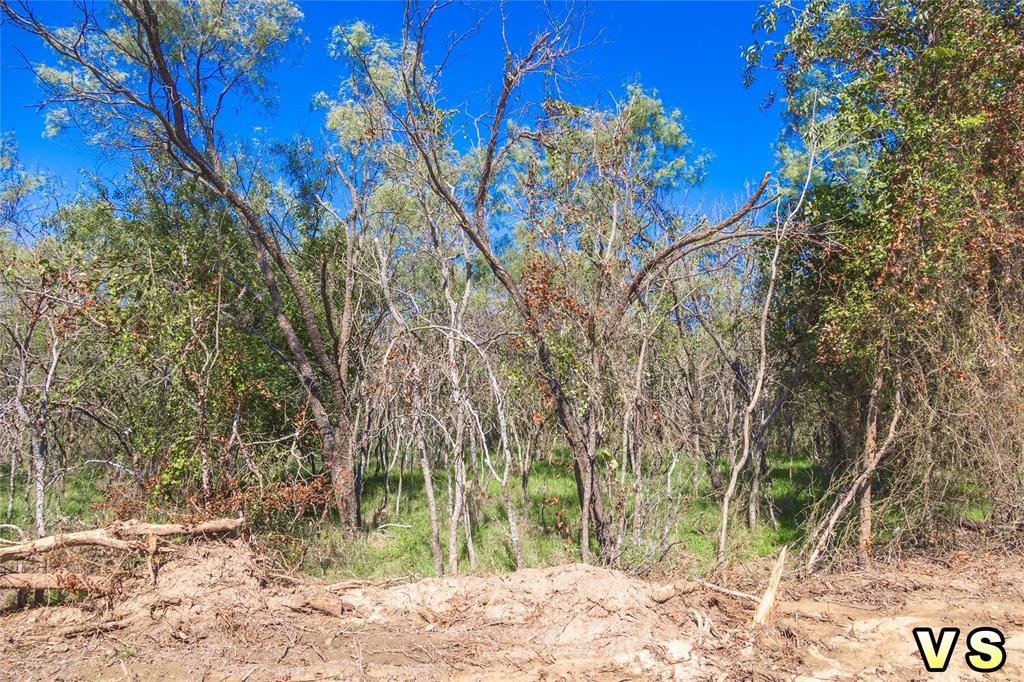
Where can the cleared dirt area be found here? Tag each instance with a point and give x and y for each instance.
(217, 612)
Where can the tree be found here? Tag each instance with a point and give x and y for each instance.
(469, 188)
(923, 197)
(155, 78)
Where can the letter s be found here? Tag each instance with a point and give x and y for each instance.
(986, 653)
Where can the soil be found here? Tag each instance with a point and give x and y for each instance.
(217, 612)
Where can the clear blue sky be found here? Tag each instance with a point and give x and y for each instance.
(688, 51)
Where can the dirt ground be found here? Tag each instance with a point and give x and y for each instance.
(217, 613)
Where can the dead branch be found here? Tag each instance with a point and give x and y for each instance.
(94, 538)
(214, 527)
(112, 537)
(725, 590)
(54, 581)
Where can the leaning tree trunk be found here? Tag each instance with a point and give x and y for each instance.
(730, 490)
(820, 536)
(336, 441)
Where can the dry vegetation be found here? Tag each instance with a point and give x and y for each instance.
(495, 342)
(218, 611)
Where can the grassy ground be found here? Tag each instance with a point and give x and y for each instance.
(75, 504)
(396, 541)
(399, 546)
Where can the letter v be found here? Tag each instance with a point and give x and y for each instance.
(936, 655)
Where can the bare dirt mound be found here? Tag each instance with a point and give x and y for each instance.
(206, 590)
(570, 617)
(216, 612)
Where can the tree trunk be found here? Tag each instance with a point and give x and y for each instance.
(730, 490)
(868, 459)
(459, 496)
(428, 488)
(593, 515)
(342, 468)
(759, 470)
(39, 482)
(513, 526)
(821, 535)
(9, 513)
(336, 442)
(204, 455)
(468, 522)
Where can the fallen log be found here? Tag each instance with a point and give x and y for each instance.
(662, 594)
(99, 537)
(113, 536)
(53, 581)
(140, 528)
(732, 593)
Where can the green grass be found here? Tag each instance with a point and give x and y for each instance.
(74, 504)
(398, 544)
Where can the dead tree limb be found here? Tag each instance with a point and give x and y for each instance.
(724, 590)
(140, 528)
(824, 531)
(113, 536)
(54, 581)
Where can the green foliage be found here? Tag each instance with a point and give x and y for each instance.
(910, 108)
(223, 327)
(910, 272)
(235, 43)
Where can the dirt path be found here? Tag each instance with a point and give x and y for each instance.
(216, 613)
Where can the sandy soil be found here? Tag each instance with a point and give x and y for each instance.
(217, 612)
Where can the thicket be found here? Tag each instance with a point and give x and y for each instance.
(433, 337)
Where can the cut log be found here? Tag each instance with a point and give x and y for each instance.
(53, 581)
(113, 536)
(764, 608)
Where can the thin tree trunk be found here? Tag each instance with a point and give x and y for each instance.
(870, 446)
(754, 393)
(428, 488)
(10, 485)
(204, 455)
(755, 484)
(39, 482)
(730, 490)
(513, 526)
(468, 522)
(401, 479)
(460, 492)
(820, 537)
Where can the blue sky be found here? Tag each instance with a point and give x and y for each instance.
(690, 52)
